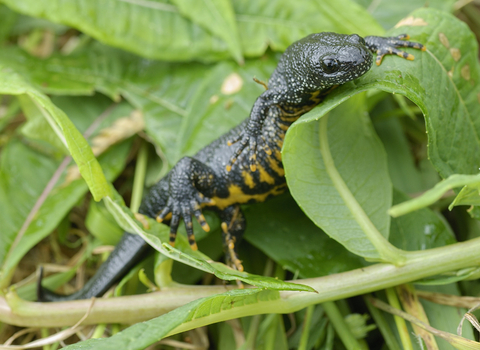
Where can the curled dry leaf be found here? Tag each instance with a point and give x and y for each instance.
(471, 318)
(120, 130)
(409, 299)
(411, 21)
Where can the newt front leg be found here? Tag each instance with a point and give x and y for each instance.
(251, 136)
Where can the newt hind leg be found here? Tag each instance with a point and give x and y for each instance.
(233, 227)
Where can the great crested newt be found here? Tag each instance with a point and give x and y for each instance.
(245, 164)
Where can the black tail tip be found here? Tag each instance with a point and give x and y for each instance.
(40, 289)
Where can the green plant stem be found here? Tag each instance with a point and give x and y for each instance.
(383, 326)
(306, 328)
(99, 330)
(139, 178)
(252, 333)
(434, 194)
(323, 329)
(138, 308)
(273, 320)
(400, 322)
(330, 337)
(340, 326)
(45, 334)
(115, 328)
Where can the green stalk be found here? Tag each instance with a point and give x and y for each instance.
(270, 338)
(99, 330)
(252, 334)
(400, 322)
(341, 326)
(330, 337)
(45, 334)
(139, 177)
(434, 194)
(383, 326)
(138, 308)
(306, 328)
(115, 328)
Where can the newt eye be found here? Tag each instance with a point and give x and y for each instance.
(329, 65)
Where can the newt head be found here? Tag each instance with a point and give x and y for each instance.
(325, 59)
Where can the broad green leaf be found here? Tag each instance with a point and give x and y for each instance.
(342, 176)
(108, 70)
(401, 164)
(7, 20)
(196, 259)
(420, 230)
(279, 23)
(161, 90)
(143, 334)
(457, 110)
(388, 12)
(156, 29)
(217, 17)
(153, 29)
(472, 183)
(12, 84)
(282, 231)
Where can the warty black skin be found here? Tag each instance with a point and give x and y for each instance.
(221, 177)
